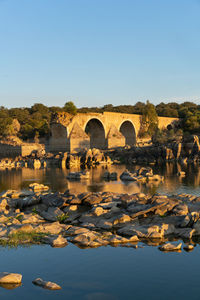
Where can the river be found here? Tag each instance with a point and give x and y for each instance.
(105, 272)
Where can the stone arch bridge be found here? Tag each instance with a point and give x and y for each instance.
(96, 130)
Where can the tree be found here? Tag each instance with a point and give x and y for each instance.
(70, 108)
(149, 120)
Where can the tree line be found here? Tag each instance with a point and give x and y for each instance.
(34, 122)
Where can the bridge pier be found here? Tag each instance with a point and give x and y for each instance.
(115, 138)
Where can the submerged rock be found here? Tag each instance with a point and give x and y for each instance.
(46, 284)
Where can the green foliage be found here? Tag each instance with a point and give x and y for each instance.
(149, 120)
(5, 122)
(34, 211)
(167, 136)
(70, 108)
(62, 218)
(19, 218)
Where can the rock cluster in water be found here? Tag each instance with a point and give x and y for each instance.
(100, 219)
(38, 160)
(185, 151)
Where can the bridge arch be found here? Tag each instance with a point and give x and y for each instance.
(96, 131)
(128, 130)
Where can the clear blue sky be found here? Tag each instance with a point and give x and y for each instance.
(96, 52)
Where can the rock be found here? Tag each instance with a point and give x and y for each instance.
(188, 247)
(155, 177)
(73, 207)
(145, 171)
(185, 233)
(98, 211)
(4, 204)
(123, 219)
(152, 208)
(127, 176)
(52, 214)
(180, 210)
(30, 219)
(127, 230)
(6, 277)
(36, 187)
(84, 196)
(52, 199)
(46, 284)
(75, 230)
(117, 239)
(23, 228)
(52, 228)
(25, 202)
(91, 239)
(78, 175)
(185, 221)
(170, 247)
(104, 224)
(93, 199)
(58, 242)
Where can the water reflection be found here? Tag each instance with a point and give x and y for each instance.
(56, 179)
(10, 286)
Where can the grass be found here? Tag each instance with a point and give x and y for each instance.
(19, 218)
(20, 238)
(62, 218)
(34, 211)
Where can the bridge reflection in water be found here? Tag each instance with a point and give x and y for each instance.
(56, 179)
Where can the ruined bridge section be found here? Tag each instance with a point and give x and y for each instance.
(96, 130)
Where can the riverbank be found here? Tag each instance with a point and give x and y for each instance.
(185, 152)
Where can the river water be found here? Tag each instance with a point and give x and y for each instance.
(105, 272)
(56, 179)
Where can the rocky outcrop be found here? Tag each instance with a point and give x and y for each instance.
(99, 219)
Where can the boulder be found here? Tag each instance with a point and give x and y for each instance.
(52, 214)
(171, 247)
(93, 199)
(51, 228)
(6, 277)
(98, 211)
(57, 242)
(180, 209)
